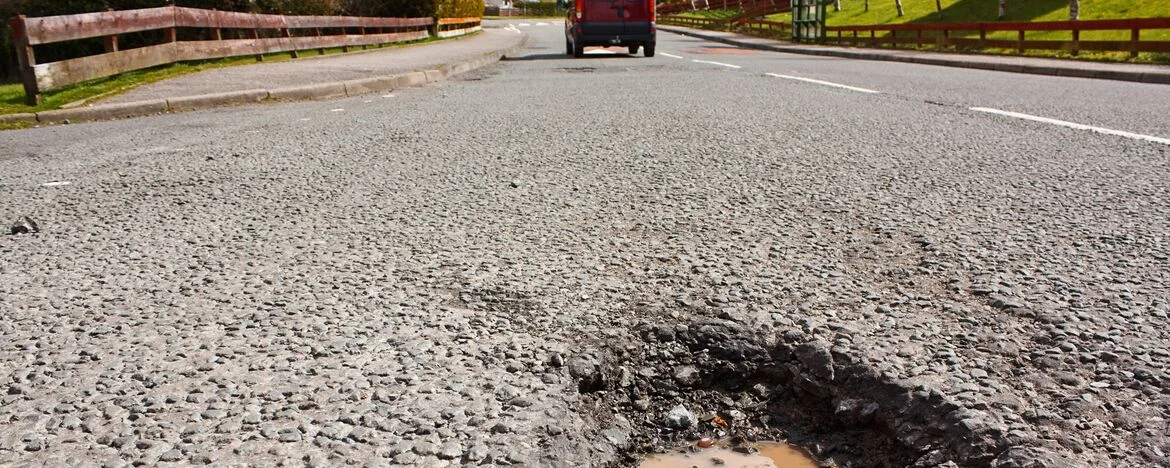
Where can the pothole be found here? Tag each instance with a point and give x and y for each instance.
(671, 385)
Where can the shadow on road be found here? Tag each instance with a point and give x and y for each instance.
(564, 56)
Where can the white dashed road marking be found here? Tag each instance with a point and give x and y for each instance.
(58, 183)
(664, 54)
(728, 65)
(825, 83)
(337, 110)
(1062, 123)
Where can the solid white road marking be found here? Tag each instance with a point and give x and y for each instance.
(56, 183)
(1062, 123)
(664, 54)
(728, 65)
(337, 110)
(825, 83)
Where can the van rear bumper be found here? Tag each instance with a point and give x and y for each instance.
(615, 34)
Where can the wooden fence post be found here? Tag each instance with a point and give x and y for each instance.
(1134, 36)
(27, 59)
(317, 33)
(110, 42)
(1020, 44)
(256, 37)
(288, 35)
(1076, 42)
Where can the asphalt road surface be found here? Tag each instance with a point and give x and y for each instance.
(399, 279)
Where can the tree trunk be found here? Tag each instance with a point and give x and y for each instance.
(836, 5)
(1074, 10)
(898, 3)
(938, 6)
(1002, 9)
(867, 5)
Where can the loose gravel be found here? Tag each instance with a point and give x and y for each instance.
(510, 269)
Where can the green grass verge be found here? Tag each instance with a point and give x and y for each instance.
(12, 95)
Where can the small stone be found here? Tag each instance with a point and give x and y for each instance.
(172, 455)
(201, 459)
(451, 450)
(514, 183)
(687, 376)
(478, 452)
(679, 417)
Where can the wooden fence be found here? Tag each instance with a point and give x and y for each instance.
(226, 34)
(749, 20)
(950, 35)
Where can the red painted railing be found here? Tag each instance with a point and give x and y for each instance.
(951, 35)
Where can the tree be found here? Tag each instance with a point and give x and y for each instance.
(836, 5)
(938, 6)
(1002, 9)
(898, 3)
(1074, 10)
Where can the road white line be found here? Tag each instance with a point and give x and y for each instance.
(542, 24)
(387, 96)
(59, 183)
(728, 65)
(664, 54)
(825, 83)
(337, 110)
(1062, 123)
(524, 25)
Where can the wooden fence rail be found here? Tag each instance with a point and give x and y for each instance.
(944, 35)
(253, 34)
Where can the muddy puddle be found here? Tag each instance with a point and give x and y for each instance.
(757, 455)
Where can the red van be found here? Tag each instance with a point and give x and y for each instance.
(619, 23)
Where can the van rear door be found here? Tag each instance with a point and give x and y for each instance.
(637, 16)
(604, 18)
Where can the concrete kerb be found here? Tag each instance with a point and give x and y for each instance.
(309, 92)
(112, 111)
(18, 118)
(1115, 75)
(218, 99)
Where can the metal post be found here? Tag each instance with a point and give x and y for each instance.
(26, 59)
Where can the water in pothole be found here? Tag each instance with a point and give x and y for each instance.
(720, 455)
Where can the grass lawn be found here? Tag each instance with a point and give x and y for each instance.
(924, 11)
(12, 95)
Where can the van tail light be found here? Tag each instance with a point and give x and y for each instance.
(580, 8)
(653, 12)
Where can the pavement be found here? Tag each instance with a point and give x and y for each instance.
(341, 75)
(1141, 73)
